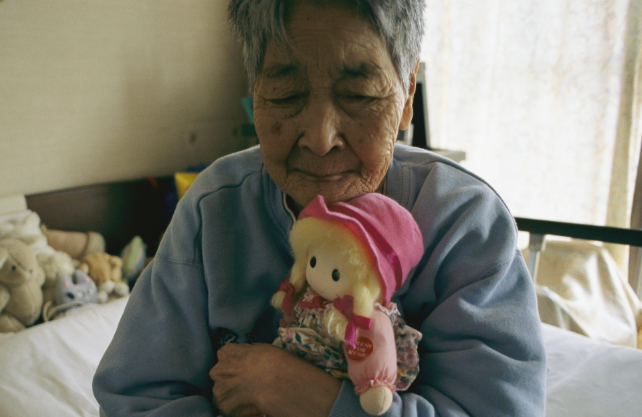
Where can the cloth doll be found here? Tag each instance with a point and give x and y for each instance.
(350, 259)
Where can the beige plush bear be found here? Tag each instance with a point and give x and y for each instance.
(76, 244)
(21, 280)
(106, 271)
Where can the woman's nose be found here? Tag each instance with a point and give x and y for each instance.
(321, 122)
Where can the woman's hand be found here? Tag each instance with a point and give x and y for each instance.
(250, 380)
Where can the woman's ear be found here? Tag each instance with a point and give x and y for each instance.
(407, 114)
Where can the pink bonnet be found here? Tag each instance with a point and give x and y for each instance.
(384, 227)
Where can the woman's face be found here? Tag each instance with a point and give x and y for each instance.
(328, 109)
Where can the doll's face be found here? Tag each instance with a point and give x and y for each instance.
(328, 274)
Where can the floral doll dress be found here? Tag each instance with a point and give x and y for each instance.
(304, 334)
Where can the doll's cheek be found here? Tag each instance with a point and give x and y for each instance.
(329, 289)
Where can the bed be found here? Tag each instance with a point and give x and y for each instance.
(47, 369)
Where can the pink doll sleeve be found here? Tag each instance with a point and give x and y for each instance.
(373, 361)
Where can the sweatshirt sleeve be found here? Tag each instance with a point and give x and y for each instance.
(158, 361)
(472, 298)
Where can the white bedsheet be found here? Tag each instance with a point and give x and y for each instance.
(47, 369)
(591, 378)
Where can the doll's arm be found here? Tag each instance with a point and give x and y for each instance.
(372, 364)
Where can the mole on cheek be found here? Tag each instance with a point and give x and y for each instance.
(276, 128)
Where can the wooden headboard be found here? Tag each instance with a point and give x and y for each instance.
(119, 211)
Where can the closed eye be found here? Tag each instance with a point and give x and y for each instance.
(358, 98)
(287, 100)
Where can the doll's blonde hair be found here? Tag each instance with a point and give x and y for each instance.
(312, 231)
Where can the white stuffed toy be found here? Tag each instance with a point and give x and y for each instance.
(26, 227)
(350, 259)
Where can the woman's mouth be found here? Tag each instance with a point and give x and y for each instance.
(330, 177)
(320, 176)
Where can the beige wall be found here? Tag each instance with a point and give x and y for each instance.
(97, 91)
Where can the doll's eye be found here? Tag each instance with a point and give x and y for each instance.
(336, 275)
(313, 261)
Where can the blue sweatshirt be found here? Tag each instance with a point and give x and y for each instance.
(226, 251)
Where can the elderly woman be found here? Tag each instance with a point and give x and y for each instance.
(333, 83)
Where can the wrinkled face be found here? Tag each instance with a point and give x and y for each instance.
(328, 273)
(328, 109)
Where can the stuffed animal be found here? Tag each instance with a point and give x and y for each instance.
(21, 279)
(70, 293)
(134, 256)
(26, 227)
(106, 271)
(350, 259)
(55, 264)
(76, 244)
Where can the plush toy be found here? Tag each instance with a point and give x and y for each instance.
(76, 244)
(134, 256)
(21, 279)
(350, 259)
(55, 264)
(106, 271)
(26, 227)
(70, 293)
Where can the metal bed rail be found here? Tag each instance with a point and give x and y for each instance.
(538, 229)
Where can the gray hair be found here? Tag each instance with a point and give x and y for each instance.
(400, 23)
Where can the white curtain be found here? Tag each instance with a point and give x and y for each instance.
(635, 258)
(545, 98)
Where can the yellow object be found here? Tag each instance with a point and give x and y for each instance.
(102, 267)
(183, 180)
